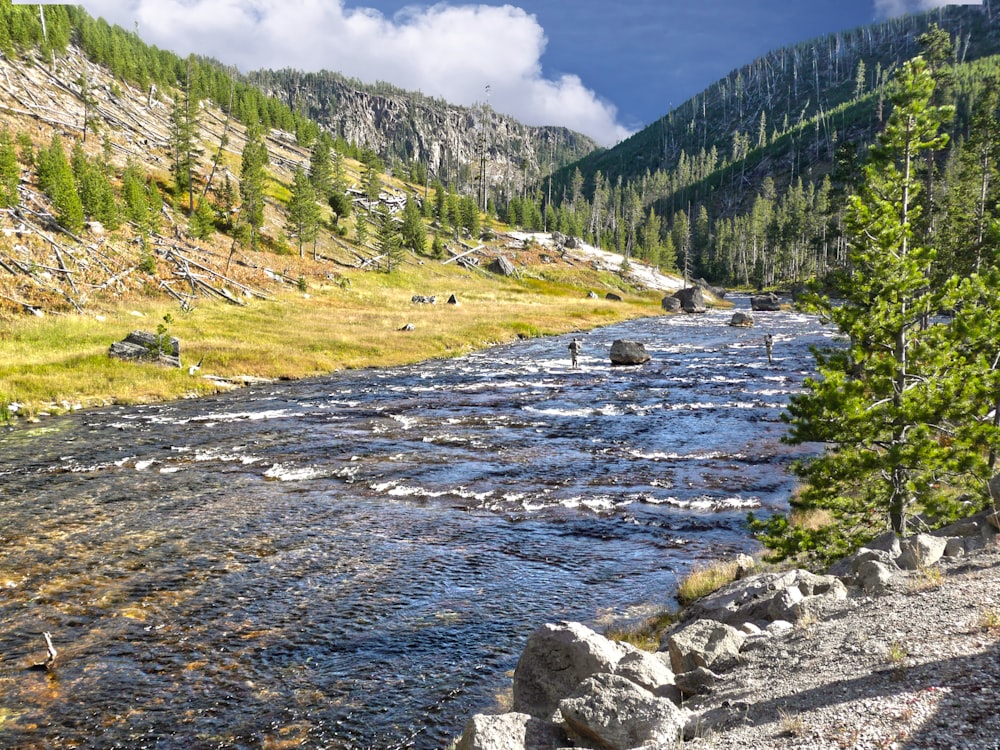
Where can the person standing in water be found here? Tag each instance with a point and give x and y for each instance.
(574, 352)
(769, 346)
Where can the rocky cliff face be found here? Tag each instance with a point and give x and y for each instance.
(454, 142)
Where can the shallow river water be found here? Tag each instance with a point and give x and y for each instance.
(356, 561)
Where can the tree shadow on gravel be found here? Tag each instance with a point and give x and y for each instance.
(965, 692)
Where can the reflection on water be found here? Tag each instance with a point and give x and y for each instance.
(356, 561)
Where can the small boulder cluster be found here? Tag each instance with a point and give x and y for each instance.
(575, 688)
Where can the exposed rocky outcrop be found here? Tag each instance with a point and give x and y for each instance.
(409, 127)
(783, 660)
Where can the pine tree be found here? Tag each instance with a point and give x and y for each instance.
(413, 232)
(10, 171)
(321, 169)
(183, 140)
(881, 403)
(302, 221)
(387, 239)
(253, 181)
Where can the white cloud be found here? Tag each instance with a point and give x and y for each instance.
(892, 8)
(449, 51)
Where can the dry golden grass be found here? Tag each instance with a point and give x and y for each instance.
(59, 362)
(703, 581)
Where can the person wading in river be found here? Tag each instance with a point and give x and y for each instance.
(769, 346)
(574, 352)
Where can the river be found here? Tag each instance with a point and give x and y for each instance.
(356, 561)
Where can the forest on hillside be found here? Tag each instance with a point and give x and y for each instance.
(746, 183)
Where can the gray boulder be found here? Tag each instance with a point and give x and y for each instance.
(704, 643)
(140, 346)
(741, 320)
(511, 731)
(555, 660)
(717, 291)
(628, 353)
(765, 302)
(611, 712)
(501, 266)
(649, 671)
(763, 597)
(875, 577)
(920, 551)
(692, 299)
(696, 682)
(671, 304)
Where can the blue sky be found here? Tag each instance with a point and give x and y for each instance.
(601, 67)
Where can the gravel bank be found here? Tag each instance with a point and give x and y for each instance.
(917, 667)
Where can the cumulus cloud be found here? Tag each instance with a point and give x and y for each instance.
(892, 8)
(450, 51)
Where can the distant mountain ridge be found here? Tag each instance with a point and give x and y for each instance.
(453, 141)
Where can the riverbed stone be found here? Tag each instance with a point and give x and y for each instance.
(512, 731)
(555, 660)
(624, 352)
(609, 711)
(763, 598)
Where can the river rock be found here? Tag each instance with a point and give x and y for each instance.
(625, 352)
(670, 304)
(609, 711)
(741, 320)
(140, 346)
(716, 291)
(649, 671)
(768, 302)
(555, 660)
(761, 598)
(704, 643)
(513, 731)
(692, 299)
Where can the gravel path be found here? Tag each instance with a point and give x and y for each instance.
(918, 667)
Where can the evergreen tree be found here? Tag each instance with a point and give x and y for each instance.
(203, 220)
(183, 140)
(387, 239)
(881, 403)
(321, 168)
(10, 171)
(413, 232)
(253, 182)
(302, 221)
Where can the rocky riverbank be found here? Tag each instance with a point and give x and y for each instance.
(898, 646)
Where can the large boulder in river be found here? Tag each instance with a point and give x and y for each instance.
(556, 659)
(741, 320)
(718, 291)
(692, 299)
(625, 352)
(671, 304)
(765, 302)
